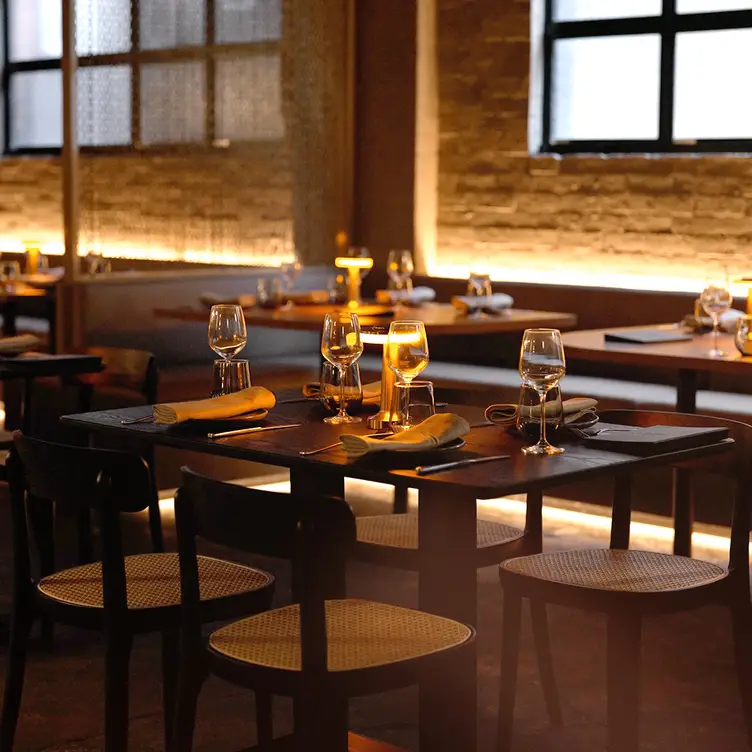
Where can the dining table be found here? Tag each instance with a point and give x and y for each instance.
(447, 511)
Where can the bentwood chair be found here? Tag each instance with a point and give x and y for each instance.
(322, 649)
(629, 585)
(120, 596)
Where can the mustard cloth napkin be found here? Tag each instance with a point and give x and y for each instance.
(431, 433)
(371, 392)
(226, 406)
(499, 301)
(574, 409)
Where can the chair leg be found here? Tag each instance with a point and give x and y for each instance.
(321, 726)
(539, 618)
(14, 676)
(400, 499)
(264, 720)
(191, 678)
(510, 648)
(623, 682)
(170, 642)
(116, 692)
(741, 616)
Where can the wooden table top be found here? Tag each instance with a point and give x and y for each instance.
(691, 355)
(518, 474)
(22, 290)
(439, 318)
(38, 365)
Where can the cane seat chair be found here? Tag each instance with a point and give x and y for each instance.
(630, 585)
(320, 650)
(121, 596)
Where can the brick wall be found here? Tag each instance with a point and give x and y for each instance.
(647, 222)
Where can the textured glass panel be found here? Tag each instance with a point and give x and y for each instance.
(35, 29)
(248, 20)
(708, 100)
(104, 106)
(249, 98)
(706, 6)
(103, 27)
(172, 23)
(36, 105)
(585, 10)
(173, 102)
(606, 88)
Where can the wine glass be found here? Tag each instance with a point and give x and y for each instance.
(227, 333)
(360, 252)
(407, 349)
(341, 346)
(400, 267)
(291, 271)
(716, 299)
(479, 284)
(542, 366)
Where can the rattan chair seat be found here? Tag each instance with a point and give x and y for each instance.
(617, 570)
(401, 531)
(360, 634)
(153, 581)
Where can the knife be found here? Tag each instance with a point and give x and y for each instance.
(429, 469)
(242, 431)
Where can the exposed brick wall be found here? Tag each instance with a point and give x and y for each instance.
(652, 221)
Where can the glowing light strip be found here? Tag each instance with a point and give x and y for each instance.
(353, 262)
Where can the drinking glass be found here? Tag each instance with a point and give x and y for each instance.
(341, 346)
(743, 338)
(407, 349)
(230, 376)
(227, 333)
(528, 412)
(292, 270)
(412, 403)
(479, 283)
(9, 273)
(400, 267)
(542, 366)
(330, 386)
(716, 299)
(269, 293)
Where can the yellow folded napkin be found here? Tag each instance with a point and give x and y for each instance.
(226, 406)
(431, 433)
(574, 409)
(371, 392)
(499, 301)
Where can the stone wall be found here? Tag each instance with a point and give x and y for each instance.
(625, 221)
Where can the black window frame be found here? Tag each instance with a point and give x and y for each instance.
(209, 52)
(667, 25)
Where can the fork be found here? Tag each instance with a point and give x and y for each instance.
(309, 452)
(585, 435)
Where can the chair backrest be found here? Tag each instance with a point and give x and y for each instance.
(124, 367)
(314, 532)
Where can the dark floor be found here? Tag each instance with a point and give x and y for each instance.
(689, 700)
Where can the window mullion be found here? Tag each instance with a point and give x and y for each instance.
(548, 53)
(211, 41)
(135, 74)
(668, 56)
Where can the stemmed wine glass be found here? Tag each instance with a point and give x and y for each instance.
(227, 332)
(407, 349)
(341, 346)
(716, 299)
(400, 267)
(291, 271)
(542, 366)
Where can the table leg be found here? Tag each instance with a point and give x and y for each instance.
(683, 512)
(448, 587)
(9, 318)
(28, 397)
(686, 392)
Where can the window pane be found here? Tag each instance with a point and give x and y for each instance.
(249, 98)
(248, 20)
(606, 88)
(706, 6)
(172, 23)
(103, 27)
(36, 105)
(708, 102)
(35, 29)
(104, 106)
(173, 102)
(586, 10)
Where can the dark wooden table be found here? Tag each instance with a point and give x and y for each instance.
(447, 518)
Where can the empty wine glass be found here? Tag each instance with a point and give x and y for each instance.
(400, 267)
(542, 366)
(291, 271)
(716, 299)
(341, 346)
(360, 252)
(227, 332)
(407, 349)
(479, 279)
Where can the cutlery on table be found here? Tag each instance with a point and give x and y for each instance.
(429, 469)
(309, 452)
(297, 400)
(132, 421)
(243, 431)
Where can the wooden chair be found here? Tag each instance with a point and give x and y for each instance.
(628, 586)
(120, 596)
(320, 650)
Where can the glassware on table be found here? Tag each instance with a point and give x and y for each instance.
(227, 332)
(400, 268)
(269, 293)
(407, 349)
(542, 366)
(743, 336)
(412, 403)
(716, 299)
(479, 283)
(528, 412)
(230, 376)
(341, 346)
(10, 271)
(291, 271)
(336, 284)
(360, 252)
(330, 388)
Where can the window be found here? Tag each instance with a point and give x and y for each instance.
(152, 73)
(647, 76)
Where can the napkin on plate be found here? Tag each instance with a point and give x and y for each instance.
(226, 406)
(727, 321)
(499, 301)
(574, 409)
(18, 344)
(433, 432)
(210, 299)
(371, 392)
(416, 296)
